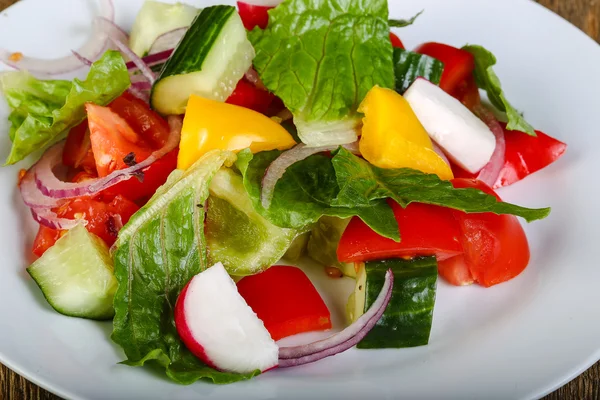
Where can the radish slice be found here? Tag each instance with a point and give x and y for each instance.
(277, 169)
(349, 337)
(92, 49)
(217, 326)
(440, 152)
(50, 185)
(490, 173)
(167, 41)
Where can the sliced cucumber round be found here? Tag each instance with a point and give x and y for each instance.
(76, 276)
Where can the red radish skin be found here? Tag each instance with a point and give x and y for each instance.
(186, 334)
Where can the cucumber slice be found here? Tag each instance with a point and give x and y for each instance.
(236, 235)
(408, 317)
(76, 276)
(209, 61)
(156, 18)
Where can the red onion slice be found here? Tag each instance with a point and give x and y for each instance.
(144, 69)
(349, 337)
(152, 60)
(490, 173)
(50, 185)
(252, 77)
(277, 169)
(31, 195)
(49, 219)
(168, 40)
(91, 49)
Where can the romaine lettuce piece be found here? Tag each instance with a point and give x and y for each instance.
(321, 58)
(159, 250)
(41, 111)
(323, 243)
(236, 235)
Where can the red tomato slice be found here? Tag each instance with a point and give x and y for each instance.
(524, 155)
(148, 124)
(468, 93)
(45, 238)
(286, 301)
(104, 219)
(78, 149)
(113, 140)
(396, 42)
(249, 96)
(426, 230)
(495, 246)
(253, 15)
(458, 64)
(456, 271)
(155, 176)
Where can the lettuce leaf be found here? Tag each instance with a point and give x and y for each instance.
(307, 192)
(362, 183)
(402, 23)
(159, 250)
(488, 80)
(321, 57)
(345, 186)
(43, 110)
(409, 66)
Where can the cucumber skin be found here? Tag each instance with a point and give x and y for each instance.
(400, 326)
(189, 54)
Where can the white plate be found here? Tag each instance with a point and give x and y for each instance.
(519, 340)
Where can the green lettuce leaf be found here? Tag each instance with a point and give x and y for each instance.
(408, 66)
(41, 111)
(488, 80)
(321, 58)
(236, 235)
(306, 192)
(361, 183)
(401, 23)
(159, 250)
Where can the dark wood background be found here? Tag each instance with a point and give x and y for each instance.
(583, 13)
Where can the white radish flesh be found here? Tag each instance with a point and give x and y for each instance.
(217, 325)
(464, 138)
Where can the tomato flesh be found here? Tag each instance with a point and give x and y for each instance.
(77, 152)
(45, 238)
(458, 64)
(396, 42)
(249, 96)
(286, 301)
(495, 246)
(426, 230)
(113, 141)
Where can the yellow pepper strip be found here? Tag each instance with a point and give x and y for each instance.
(393, 137)
(213, 125)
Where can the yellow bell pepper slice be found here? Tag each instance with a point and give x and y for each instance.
(213, 125)
(393, 137)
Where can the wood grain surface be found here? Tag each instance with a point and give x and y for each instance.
(585, 14)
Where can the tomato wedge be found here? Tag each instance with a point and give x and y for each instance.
(249, 96)
(253, 15)
(524, 156)
(45, 238)
(286, 301)
(426, 230)
(114, 143)
(77, 152)
(151, 127)
(495, 246)
(458, 64)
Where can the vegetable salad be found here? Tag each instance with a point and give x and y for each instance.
(209, 143)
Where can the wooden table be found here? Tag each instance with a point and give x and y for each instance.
(583, 13)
